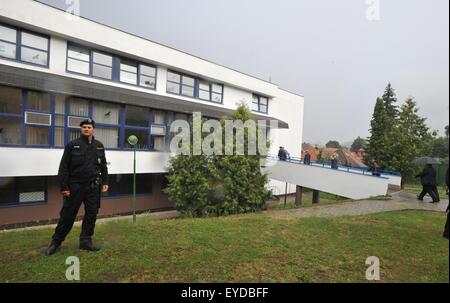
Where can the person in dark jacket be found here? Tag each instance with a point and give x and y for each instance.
(334, 161)
(83, 175)
(375, 168)
(307, 158)
(282, 154)
(428, 180)
(448, 213)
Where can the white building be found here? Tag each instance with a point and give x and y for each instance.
(56, 71)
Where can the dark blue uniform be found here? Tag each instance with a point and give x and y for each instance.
(82, 171)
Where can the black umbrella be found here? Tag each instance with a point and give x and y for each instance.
(426, 160)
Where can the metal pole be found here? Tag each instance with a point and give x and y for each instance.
(285, 195)
(134, 185)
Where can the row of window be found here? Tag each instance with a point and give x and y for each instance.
(92, 63)
(24, 46)
(41, 119)
(25, 190)
(33, 48)
(193, 87)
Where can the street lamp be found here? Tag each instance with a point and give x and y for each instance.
(133, 140)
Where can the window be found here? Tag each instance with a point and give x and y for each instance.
(128, 72)
(33, 48)
(78, 59)
(10, 131)
(173, 83)
(10, 100)
(187, 86)
(90, 62)
(147, 76)
(60, 106)
(123, 184)
(260, 104)
(102, 66)
(18, 190)
(108, 136)
(8, 40)
(105, 113)
(38, 102)
(136, 116)
(79, 107)
(217, 92)
(195, 88)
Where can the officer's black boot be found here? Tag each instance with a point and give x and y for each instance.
(86, 244)
(52, 248)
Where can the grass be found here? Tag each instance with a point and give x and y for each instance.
(417, 188)
(246, 248)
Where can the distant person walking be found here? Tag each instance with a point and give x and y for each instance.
(282, 154)
(307, 158)
(428, 180)
(375, 168)
(448, 213)
(334, 161)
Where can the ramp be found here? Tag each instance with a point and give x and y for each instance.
(347, 183)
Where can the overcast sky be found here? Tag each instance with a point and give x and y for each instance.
(326, 50)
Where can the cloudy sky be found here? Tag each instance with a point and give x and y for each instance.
(326, 50)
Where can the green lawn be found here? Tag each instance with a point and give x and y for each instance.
(246, 248)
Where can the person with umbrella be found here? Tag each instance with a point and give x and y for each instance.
(428, 178)
(446, 223)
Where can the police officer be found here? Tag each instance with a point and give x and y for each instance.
(83, 175)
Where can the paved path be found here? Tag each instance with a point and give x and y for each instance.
(400, 201)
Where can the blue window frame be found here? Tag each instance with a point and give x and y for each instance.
(19, 191)
(38, 119)
(189, 86)
(260, 104)
(85, 61)
(24, 46)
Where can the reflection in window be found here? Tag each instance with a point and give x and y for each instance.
(123, 184)
(10, 131)
(16, 190)
(106, 113)
(136, 116)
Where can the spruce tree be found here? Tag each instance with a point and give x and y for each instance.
(389, 99)
(411, 139)
(379, 145)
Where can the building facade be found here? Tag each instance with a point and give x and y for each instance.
(56, 70)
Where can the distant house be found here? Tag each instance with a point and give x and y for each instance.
(345, 156)
(313, 151)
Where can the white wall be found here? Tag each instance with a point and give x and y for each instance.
(21, 162)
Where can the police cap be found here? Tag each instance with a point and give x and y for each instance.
(88, 121)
